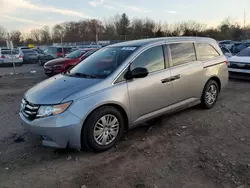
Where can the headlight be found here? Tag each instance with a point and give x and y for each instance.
(57, 66)
(45, 111)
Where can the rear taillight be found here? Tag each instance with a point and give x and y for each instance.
(59, 54)
(20, 57)
(226, 62)
(2, 56)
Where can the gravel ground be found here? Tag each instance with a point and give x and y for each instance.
(194, 148)
(23, 69)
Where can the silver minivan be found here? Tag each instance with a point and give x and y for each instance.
(122, 86)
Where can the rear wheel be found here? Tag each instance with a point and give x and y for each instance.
(210, 94)
(103, 128)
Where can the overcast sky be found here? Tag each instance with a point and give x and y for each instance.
(25, 15)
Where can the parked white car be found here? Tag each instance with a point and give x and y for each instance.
(7, 58)
(240, 63)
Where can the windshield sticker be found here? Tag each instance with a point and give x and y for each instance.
(129, 48)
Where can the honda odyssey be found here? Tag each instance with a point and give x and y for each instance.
(121, 86)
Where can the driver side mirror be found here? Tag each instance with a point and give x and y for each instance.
(138, 72)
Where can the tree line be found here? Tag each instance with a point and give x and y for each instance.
(121, 27)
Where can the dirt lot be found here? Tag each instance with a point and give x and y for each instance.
(192, 149)
(25, 68)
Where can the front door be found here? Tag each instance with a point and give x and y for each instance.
(154, 92)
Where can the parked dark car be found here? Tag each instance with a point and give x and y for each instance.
(60, 65)
(52, 52)
(38, 50)
(29, 56)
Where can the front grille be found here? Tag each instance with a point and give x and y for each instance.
(239, 65)
(29, 110)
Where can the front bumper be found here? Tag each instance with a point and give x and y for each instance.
(239, 70)
(239, 74)
(59, 131)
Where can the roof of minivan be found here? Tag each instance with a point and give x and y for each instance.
(142, 42)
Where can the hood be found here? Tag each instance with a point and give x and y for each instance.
(57, 61)
(240, 59)
(57, 88)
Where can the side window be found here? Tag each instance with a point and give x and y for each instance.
(206, 52)
(151, 59)
(182, 53)
(46, 51)
(50, 50)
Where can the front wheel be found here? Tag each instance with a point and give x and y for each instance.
(103, 128)
(210, 94)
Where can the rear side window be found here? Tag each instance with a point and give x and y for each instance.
(151, 59)
(182, 53)
(206, 52)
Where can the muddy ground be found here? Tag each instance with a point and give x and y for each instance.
(194, 148)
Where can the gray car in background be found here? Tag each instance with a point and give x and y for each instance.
(122, 86)
(29, 56)
(7, 58)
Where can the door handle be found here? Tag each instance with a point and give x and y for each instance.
(177, 77)
(165, 80)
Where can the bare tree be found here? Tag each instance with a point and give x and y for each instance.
(96, 27)
(36, 35)
(15, 36)
(45, 35)
(2, 34)
(149, 27)
(137, 27)
(109, 27)
(191, 28)
(122, 24)
(58, 31)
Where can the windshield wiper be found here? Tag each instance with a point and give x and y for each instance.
(83, 75)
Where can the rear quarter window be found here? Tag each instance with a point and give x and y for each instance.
(206, 52)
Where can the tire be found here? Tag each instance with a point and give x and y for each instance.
(93, 125)
(210, 94)
(19, 64)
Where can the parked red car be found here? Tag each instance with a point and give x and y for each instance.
(60, 65)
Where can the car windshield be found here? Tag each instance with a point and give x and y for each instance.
(102, 63)
(75, 54)
(8, 52)
(243, 53)
(89, 53)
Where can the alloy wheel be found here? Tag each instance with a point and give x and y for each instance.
(106, 130)
(211, 94)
